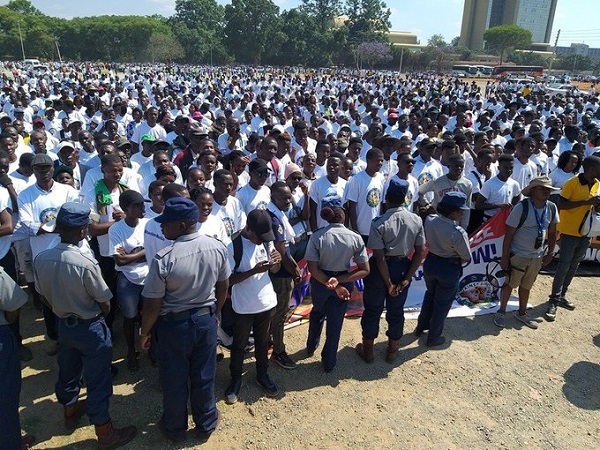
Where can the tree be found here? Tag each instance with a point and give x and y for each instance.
(437, 40)
(372, 53)
(323, 12)
(504, 37)
(454, 41)
(23, 7)
(368, 20)
(252, 29)
(198, 26)
(164, 47)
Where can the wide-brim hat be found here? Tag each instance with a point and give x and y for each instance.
(543, 182)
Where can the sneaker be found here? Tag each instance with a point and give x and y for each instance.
(233, 391)
(268, 385)
(551, 313)
(500, 320)
(283, 360)
(564, 303)
(528, 321)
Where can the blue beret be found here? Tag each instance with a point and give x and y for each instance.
(333, 201)
(73, 215)
(397, 187)
(455, 199)
(179, 209)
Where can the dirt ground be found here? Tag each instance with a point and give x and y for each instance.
(487, 388)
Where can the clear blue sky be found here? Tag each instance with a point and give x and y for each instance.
(576, 18)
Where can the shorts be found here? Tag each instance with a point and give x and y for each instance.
(523, 271)
(128, 295)
(22, 251)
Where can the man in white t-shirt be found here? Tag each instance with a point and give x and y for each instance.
(363, 194)
(524, 169)
(150, 126)
(331, 184)
(255, 195)
(426, 168)
(499, 192)
(251, 255)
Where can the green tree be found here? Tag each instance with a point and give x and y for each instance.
(252, 29)
(454, 41)
(437, 40)
(198, 26)
(164, 47)
(323, 12)
(503, 37)
(574, 63)
(368, 20)
(23, 7)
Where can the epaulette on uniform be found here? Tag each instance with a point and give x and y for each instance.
(164, 252)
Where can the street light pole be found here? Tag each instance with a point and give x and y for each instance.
(21, 38)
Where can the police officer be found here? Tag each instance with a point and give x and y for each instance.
(12, 297)
(448, 251)
(392, 237)
(73, 285)
(328, 254)
(185, 288)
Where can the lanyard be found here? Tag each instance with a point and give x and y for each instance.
(540, 221)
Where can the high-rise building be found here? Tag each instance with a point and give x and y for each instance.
(536, 16)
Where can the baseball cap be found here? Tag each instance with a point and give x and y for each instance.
(178, 209)
(73, 215)
(259, 221)
(65, 144)
(333, 201)
(147, 138)
(130, 197)
(258, 165)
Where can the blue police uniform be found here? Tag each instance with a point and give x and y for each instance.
(11, 299)
(448, 247)
(184, 275)
(332, 247)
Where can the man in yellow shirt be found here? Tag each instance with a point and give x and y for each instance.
(578, 196)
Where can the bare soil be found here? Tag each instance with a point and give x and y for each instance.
(486, 388)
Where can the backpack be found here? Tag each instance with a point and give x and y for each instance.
(525, 211)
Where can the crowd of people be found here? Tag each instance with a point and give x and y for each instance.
(183, 199)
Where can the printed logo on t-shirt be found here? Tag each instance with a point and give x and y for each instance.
(424, 177)
(261, 205)
(48, 216)
(229, 225)
(373, 197)
(408, 199)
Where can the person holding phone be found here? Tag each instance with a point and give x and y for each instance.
(251, 255)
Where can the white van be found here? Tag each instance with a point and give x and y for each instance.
(31, 62)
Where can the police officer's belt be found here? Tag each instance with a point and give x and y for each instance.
(185, 315)
(72, 321)
(395, 257)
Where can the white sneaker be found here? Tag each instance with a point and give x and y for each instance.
(528, 321)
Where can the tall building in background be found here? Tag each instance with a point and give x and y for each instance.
(536, 16)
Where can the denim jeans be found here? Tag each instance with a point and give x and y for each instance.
(187, 352)
(85, 348)
(572, 251)
(129, 296)
(10, 389)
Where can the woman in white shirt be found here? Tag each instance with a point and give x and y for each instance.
(567, 167)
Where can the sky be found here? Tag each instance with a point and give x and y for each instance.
(577, 19)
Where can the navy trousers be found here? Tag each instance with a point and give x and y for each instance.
(187, 352)
(375, 297)
(326, 304)
(442, 276)
(10, 389)
(85, 348)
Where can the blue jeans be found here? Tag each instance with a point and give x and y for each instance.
(442, 276)
(85, 348)
(187, 352)
(10, 389)
(572, 251)
(326, 304)
(375, 296)
(129, 296)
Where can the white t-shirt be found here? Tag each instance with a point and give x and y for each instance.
(477, 179)
(143, 128)
(130, 178)
(497, 191)
(255, 294)
(301, 227)
(213, 227)
(38, 207)
(524, 173)
(154, 240)
(104, 246)
(322, 188)
(427, 171)
(132, 240)
(541, 162)
(231, 214)
(366, 192)
(252, 199)
(559, 177)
